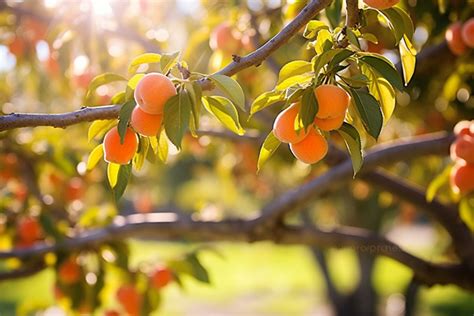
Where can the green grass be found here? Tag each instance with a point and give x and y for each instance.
(250, 279)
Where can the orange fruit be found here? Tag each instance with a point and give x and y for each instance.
(311, 149)
(467, 33)
(463, 148)
(69, 272)
(381, 4)
(119, 153)
(29, 230)
(329, 124)
(462, 178)
(284, 125)
(130, 299)
(153, 91)
(225, 38)
(144, 123)
(161, 277)
(454, 39)
(333, 101)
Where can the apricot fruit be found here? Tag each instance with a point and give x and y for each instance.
(17, 47)
(467, 33)
(311, 149)
(462, 178)
(75, 189)
(130, 299)
(454, 39)
(69, 271)
(29, 230)
(225, 38)
(161, 277)
(464, 128)
(329, 124)
(284, 125)
(153, 91)
(381, 4)
(463, 148)
(144, 123)
(119, 153)
(333, 101)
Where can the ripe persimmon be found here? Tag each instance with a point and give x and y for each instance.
(329, 124)
(464, 128)
(161, 277)
(17, 46)
(454, 39)
(145, 123)
(381, 4)
(153, 91)
(333, 101)
(463, 148)
(130, 299)
(69, 271)
(311, 149)
(225, 38)
(467, 33)
(284, 125)
(462, 178)
(29, 230)
(119, 153)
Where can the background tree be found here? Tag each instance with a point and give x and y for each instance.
(181, 96)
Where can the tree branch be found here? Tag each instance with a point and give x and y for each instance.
(352, 15)
(166, 226)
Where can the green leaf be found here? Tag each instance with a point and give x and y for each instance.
(333, 13)
(123, 177)
(176, 117)
(231, 88)
(437, 183)
(292, 94)
(323, 42)
(131, 85)
(294, 68)
(352, 37)
(369, 111)
(408, 58)
(168, 61)
(408, 28)
(395, 23)
(451, 86)
(357, 81)
(99, 127)
(385, 69)
(142, 152)
(321, 60)
(124, 117)
(195, 92)
(98, 81)
(340, 57)
(224, 111)
(94, 157)
(352, 139)
(309, 108)
(269, 146)
(370, 37)
(382, 91)
(266, 99)
(198, 271)
(299, 80)
(466, 211)
(118, 98)
(313, 27)
(112, 173)
(147, 58)
(163, 147)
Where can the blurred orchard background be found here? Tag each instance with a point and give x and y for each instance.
(49, 52)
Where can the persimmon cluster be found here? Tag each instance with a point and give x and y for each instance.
(309, 145)
(460, 37)
(462, 153)
(151, 94)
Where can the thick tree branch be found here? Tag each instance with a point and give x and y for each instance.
(166, 226)
(352, 16)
